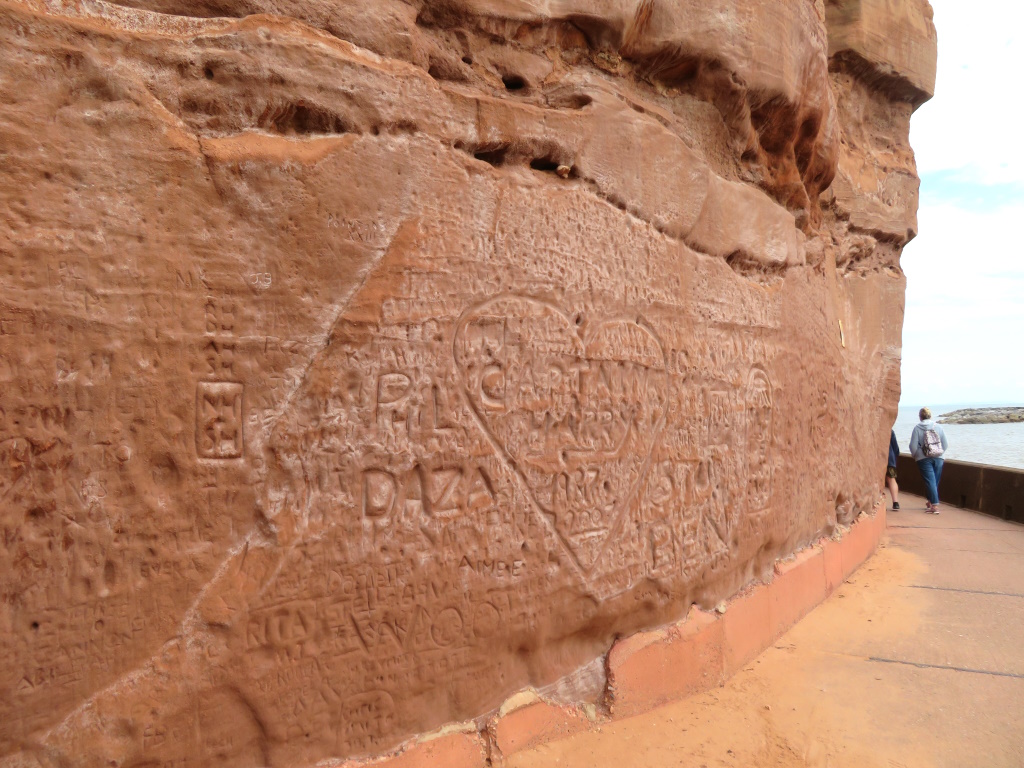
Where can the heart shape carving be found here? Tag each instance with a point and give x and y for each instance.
(576, 407)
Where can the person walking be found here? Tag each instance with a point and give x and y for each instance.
(928, 444)
(890, 471)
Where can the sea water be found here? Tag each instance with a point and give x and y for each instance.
(1001, 445)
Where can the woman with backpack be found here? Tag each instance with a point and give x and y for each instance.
(928, 444)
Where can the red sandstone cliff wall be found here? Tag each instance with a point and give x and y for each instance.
(361, 364)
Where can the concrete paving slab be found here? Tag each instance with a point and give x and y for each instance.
(959, 540)
(963, 549)
(911, 513)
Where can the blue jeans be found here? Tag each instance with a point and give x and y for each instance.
(931, 471)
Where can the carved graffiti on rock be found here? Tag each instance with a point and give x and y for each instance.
(219, 420)
(298, 461)
(759, 437)
(576, 407)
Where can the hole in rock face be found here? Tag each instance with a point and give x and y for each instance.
(209, 73)
(804, 147)
(683, 72)
(446, 69)
(302, 118)
(513, 82)
(467, 60)
(312, 120)
(809, 128)
(544, 164)
(35, 626)
(570, 100)
(495, 157)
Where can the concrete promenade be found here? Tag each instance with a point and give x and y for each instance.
(918, 660)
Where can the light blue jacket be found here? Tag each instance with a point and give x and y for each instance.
(917, 439)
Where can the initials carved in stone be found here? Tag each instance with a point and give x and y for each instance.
(759, 438)
(219, 420)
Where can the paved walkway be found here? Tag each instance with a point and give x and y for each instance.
(918, 660)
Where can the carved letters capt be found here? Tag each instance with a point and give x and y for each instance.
(575, 406)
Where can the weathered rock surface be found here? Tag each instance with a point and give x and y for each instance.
(362, 364)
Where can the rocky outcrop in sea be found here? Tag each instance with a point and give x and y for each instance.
(983, 416)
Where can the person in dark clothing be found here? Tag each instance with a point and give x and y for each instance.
(890, 471)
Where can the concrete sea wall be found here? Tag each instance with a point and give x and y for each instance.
(997, 491)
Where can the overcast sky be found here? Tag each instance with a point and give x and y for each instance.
(963, 337)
